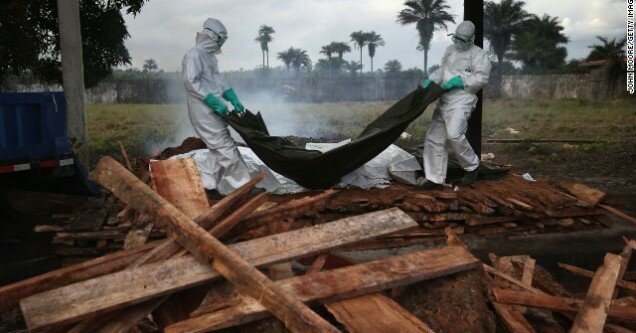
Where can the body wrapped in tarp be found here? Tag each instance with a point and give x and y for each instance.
(316, 170)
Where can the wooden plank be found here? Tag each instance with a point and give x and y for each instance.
(11, 294)
(583, 192)
(557, 303)
(343, 283)
(514, 320)
(591, 318)
(376, 313)
(135, 285)
(122, 321)
(589, 274)
(179, 182)
(296, 316)
(528, 272)
(618, 213)
(354, 313)
(287, 210)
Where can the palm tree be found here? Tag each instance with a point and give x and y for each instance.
(428, 16)
(353, 67)
(501, 22)
(299, 58)
(373, 41)
(538, 46)
(359, 38)
(286, 57)
(392, 67)
(327, 50)
(150, 65)
(613, 52)
(264, 38)
(340, 48)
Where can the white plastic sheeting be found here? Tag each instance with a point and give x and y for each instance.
(392, 163)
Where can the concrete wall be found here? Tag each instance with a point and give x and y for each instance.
(161, 91)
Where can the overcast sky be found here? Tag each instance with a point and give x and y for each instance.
(165, 29)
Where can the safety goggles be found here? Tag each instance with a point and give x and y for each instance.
(460, 39)
(221, 38)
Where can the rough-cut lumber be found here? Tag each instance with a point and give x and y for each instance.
(528, 272)
(618, 213)
(510, 279)
(589, 274)
(355, 313)
(343, 283)
(131, 286)
(584, 193)
(557, 303)
(376, 313)
(122, 321)
(287, 210)
(591, 318)
(11, 294)
(294, 314)
(513, 319)
(207, 220)
(179, 182)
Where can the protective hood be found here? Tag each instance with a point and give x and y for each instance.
(216, 33)
(464, 36)
(207, 43)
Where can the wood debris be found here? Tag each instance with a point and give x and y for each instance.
(162, 256)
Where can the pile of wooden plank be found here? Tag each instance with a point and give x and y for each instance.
(250, 256)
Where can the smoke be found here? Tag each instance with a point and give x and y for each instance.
(283, 118)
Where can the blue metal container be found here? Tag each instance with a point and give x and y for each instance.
(35, 151)
(32, 126)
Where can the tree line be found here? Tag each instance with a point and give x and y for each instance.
(515, 36)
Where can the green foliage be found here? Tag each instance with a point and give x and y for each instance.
(29, 38)
(433, 68)
(295, 58)
(392, 68)
(373, 42)
(264, 38)
(428, 17)
(150, 65)
(539, 45)
(501, 22)
(613, 52)
(352, 67)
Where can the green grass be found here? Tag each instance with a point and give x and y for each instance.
(137, 125)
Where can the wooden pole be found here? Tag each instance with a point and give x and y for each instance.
(294, 314)
(474, 12)
(591, 318)
(73, 76)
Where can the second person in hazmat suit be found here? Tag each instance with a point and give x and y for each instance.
(206, 96)
(464, 70)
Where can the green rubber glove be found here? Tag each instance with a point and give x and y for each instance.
(217, 106)
(231, 97)
(426, 83)
(455, 82)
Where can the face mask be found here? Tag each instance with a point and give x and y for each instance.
(461, 43)
(221, 38)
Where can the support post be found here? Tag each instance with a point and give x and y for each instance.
(474, 12)
(73, 76)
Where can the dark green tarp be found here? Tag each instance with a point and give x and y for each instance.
(316, 170)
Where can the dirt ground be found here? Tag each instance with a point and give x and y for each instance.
(608, 167)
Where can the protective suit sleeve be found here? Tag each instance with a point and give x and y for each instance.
(481, 72)
(438, 74)
(192, 70)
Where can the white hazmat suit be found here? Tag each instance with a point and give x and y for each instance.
(450, 118)
(201, 77)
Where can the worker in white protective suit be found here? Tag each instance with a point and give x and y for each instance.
(464, 70)
(205, 95)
